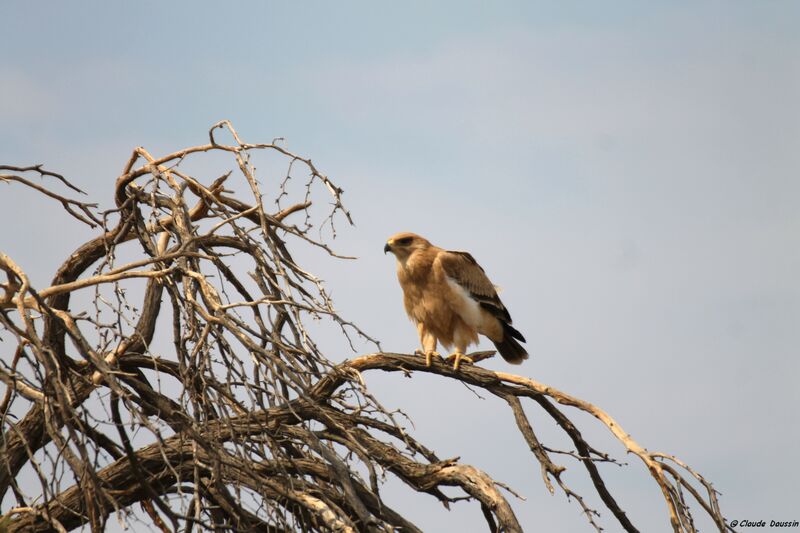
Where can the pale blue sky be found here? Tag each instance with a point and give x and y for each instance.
(628, 173)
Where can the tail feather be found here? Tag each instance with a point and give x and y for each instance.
(511, 350)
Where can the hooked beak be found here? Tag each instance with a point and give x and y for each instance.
(387, 248)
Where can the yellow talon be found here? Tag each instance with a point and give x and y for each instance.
(428, 355)
(457, 357)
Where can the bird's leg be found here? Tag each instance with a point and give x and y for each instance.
(458, 355)
(429, 355)
(428, 345)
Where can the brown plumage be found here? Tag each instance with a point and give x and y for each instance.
(449, 297)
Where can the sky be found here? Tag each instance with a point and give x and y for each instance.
(627, 172)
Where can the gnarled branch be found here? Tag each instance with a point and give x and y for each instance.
(184, 379)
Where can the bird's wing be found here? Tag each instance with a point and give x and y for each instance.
(462, 269)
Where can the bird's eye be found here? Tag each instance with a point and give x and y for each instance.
(404, 241)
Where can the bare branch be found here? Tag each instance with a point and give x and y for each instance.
(221, 412)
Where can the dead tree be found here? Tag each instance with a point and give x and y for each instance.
(167, 373)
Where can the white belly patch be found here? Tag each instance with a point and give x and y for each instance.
(468, 309)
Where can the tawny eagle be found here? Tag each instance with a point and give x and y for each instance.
(448, 296)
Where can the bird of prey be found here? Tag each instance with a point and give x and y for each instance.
(449, 297)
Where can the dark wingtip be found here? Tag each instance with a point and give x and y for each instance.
(511, 330)
(511, 350)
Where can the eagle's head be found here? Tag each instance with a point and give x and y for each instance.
(404, 244)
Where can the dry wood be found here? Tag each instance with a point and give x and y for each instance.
(181, 387)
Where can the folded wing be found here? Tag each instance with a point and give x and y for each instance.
(462, 269)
